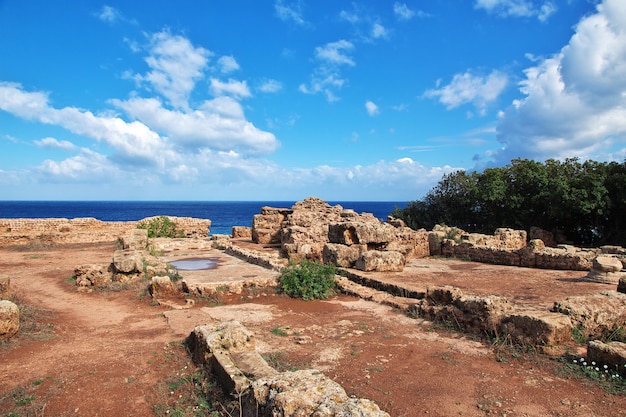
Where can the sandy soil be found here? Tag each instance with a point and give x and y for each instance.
(113, 353)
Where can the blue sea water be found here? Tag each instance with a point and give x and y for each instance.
(223, 214)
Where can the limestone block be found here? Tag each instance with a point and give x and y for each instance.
(9, 319)
(606, 269)
(537, 328)
(341, 255)
(612, 354)
(161, 286)
(308, 393)
(595, 314)
(242, 232)
(482, 312)
(92, 275)
(443, 295)
(5, 283)
(621, 286)
(136, 239)
(127, 261)
(383, 261)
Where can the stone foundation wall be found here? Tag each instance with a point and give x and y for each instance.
(83, 230)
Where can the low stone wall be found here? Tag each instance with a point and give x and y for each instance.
(228, 351)
(83, 230)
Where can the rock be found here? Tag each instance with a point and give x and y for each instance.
(537, 328)
(621, 286)
(545, 236)
(136, 239)
(9, 319)
(596, 315)
(606, 269)
(612, 354)
(383, 261)
(5, 283)
(161, 285)
(91, 275)
(242, 232)
(308, 393)
(341, 255)
(127, 261)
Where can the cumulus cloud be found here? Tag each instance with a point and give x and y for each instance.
(227, 64)
(470, 88)
(232, 87)
(574, 102)
(335, 52)
(379, 31)
(372, 108)
(270, 86)
(54, 144)
(217, 124)
(132, 141)
(517, 8)
(175, 67)
(326, 77)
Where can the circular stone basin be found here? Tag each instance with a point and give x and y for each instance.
(194, 264)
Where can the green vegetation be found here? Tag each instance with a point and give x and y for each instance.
(161, 226)
(279, 332)
(308, 280)
(585, 201)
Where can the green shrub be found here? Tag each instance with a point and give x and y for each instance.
(161, 226)
(308, 280)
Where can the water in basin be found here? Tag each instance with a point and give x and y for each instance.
(194, 264)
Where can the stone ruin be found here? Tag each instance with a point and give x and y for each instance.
(313, 229)
(9, 311)
(84, 230)
(227, 350)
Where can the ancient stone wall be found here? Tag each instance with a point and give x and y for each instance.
(83, 230)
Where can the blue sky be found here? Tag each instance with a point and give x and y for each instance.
(284, 99)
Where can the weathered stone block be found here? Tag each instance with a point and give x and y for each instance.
(242, 232)
(443, 295)
(136, 239)
(9, 319)
(161, 286)
(621, 286)
(595, 314)
(383, 261)
(127, 261)
(612, 354)
(341, 255)
(537, 328)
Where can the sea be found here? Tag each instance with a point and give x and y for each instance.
(223, 214)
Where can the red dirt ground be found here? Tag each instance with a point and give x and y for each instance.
(112, 353)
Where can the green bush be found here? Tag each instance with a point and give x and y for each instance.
(308, 280)
(161, 226)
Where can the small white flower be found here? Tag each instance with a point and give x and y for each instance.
(585, 363)
(606, 366)
(593, 363)
(597, 369)
(582, 360)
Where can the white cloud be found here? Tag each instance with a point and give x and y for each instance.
(574, 103)
(217, 124)
(517, 8)
(291, 12)
(402, 11)
(270, 86)
(227, 64)
(54, 144)
(232, 87)
(379, 31)
(175, 67)
(372, 108)
(109, 14)
(336, 52)
(131, 141)
(326, 77)
(469, 88)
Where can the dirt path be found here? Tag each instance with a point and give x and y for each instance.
(112, 353)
